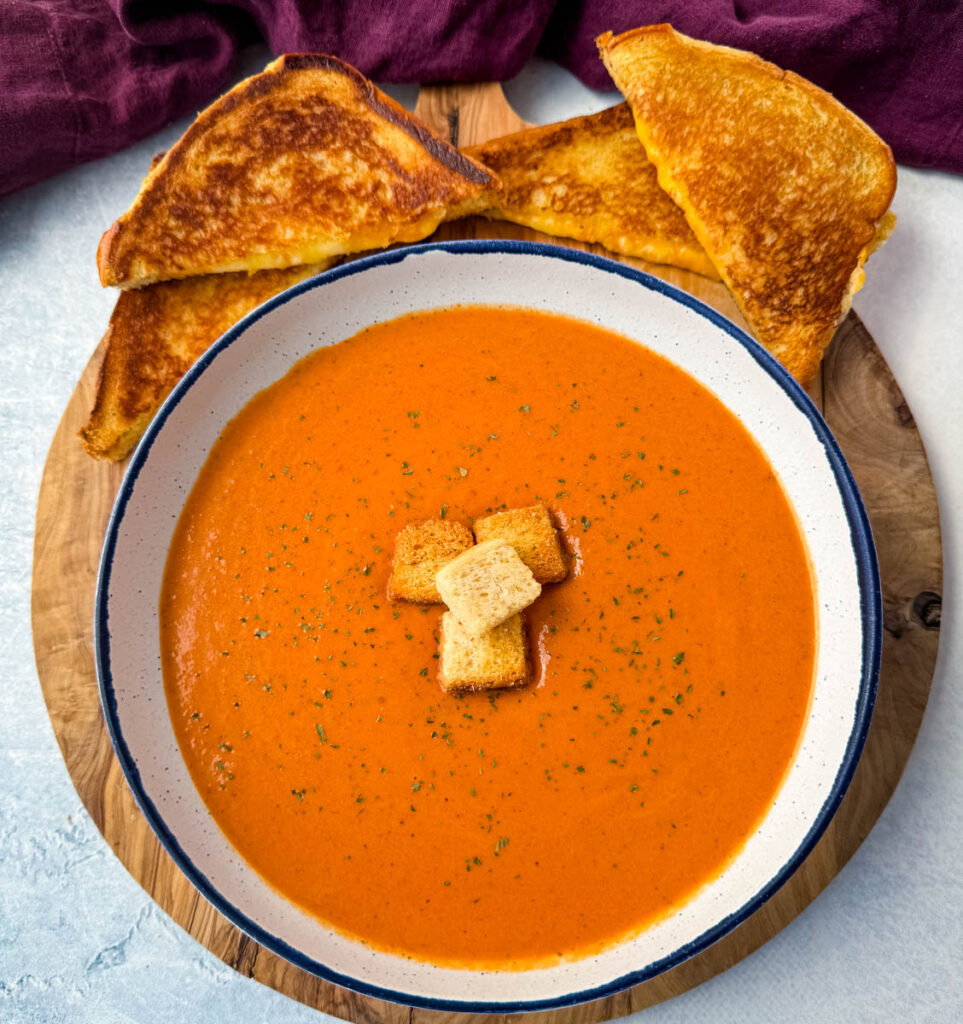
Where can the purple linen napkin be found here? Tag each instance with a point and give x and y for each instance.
(83, 78)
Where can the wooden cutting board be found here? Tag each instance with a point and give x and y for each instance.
(876, 431)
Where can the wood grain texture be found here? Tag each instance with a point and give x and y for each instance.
(877, 433)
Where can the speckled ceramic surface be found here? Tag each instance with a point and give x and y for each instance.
(335, 306)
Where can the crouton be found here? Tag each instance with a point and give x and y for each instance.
(496, 660)
(531, 533)
(486, 585)
(421, 549)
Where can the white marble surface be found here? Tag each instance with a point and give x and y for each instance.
(81, 942)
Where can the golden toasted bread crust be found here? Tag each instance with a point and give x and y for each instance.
(155, 334)
(531, 532)
(588, 178)
(421, 549)
(496, 660)
(304, 161)
(782, 185)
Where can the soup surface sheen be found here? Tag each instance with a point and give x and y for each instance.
(673, 668)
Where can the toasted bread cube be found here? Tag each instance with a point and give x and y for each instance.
(531, 533)
(486, 585)
(421, 549)
(496, 660)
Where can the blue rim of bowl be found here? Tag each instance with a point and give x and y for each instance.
(870, 607)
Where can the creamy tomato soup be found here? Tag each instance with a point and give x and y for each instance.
(673, 667)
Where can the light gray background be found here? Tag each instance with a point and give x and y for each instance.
(81, 942)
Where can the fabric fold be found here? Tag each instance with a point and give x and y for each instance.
(80, 79)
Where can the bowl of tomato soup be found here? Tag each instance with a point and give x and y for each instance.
(702, 680)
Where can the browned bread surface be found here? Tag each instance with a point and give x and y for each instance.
(531, 533)
(155, 334)
(588, 178)
(496, 660)
(304, 161)
(421, 549)
(783, 186)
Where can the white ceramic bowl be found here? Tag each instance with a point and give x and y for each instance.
(337, 304)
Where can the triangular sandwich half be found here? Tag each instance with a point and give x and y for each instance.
(588, 178)
(156, 334)
(786, 189)
(304, 161)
